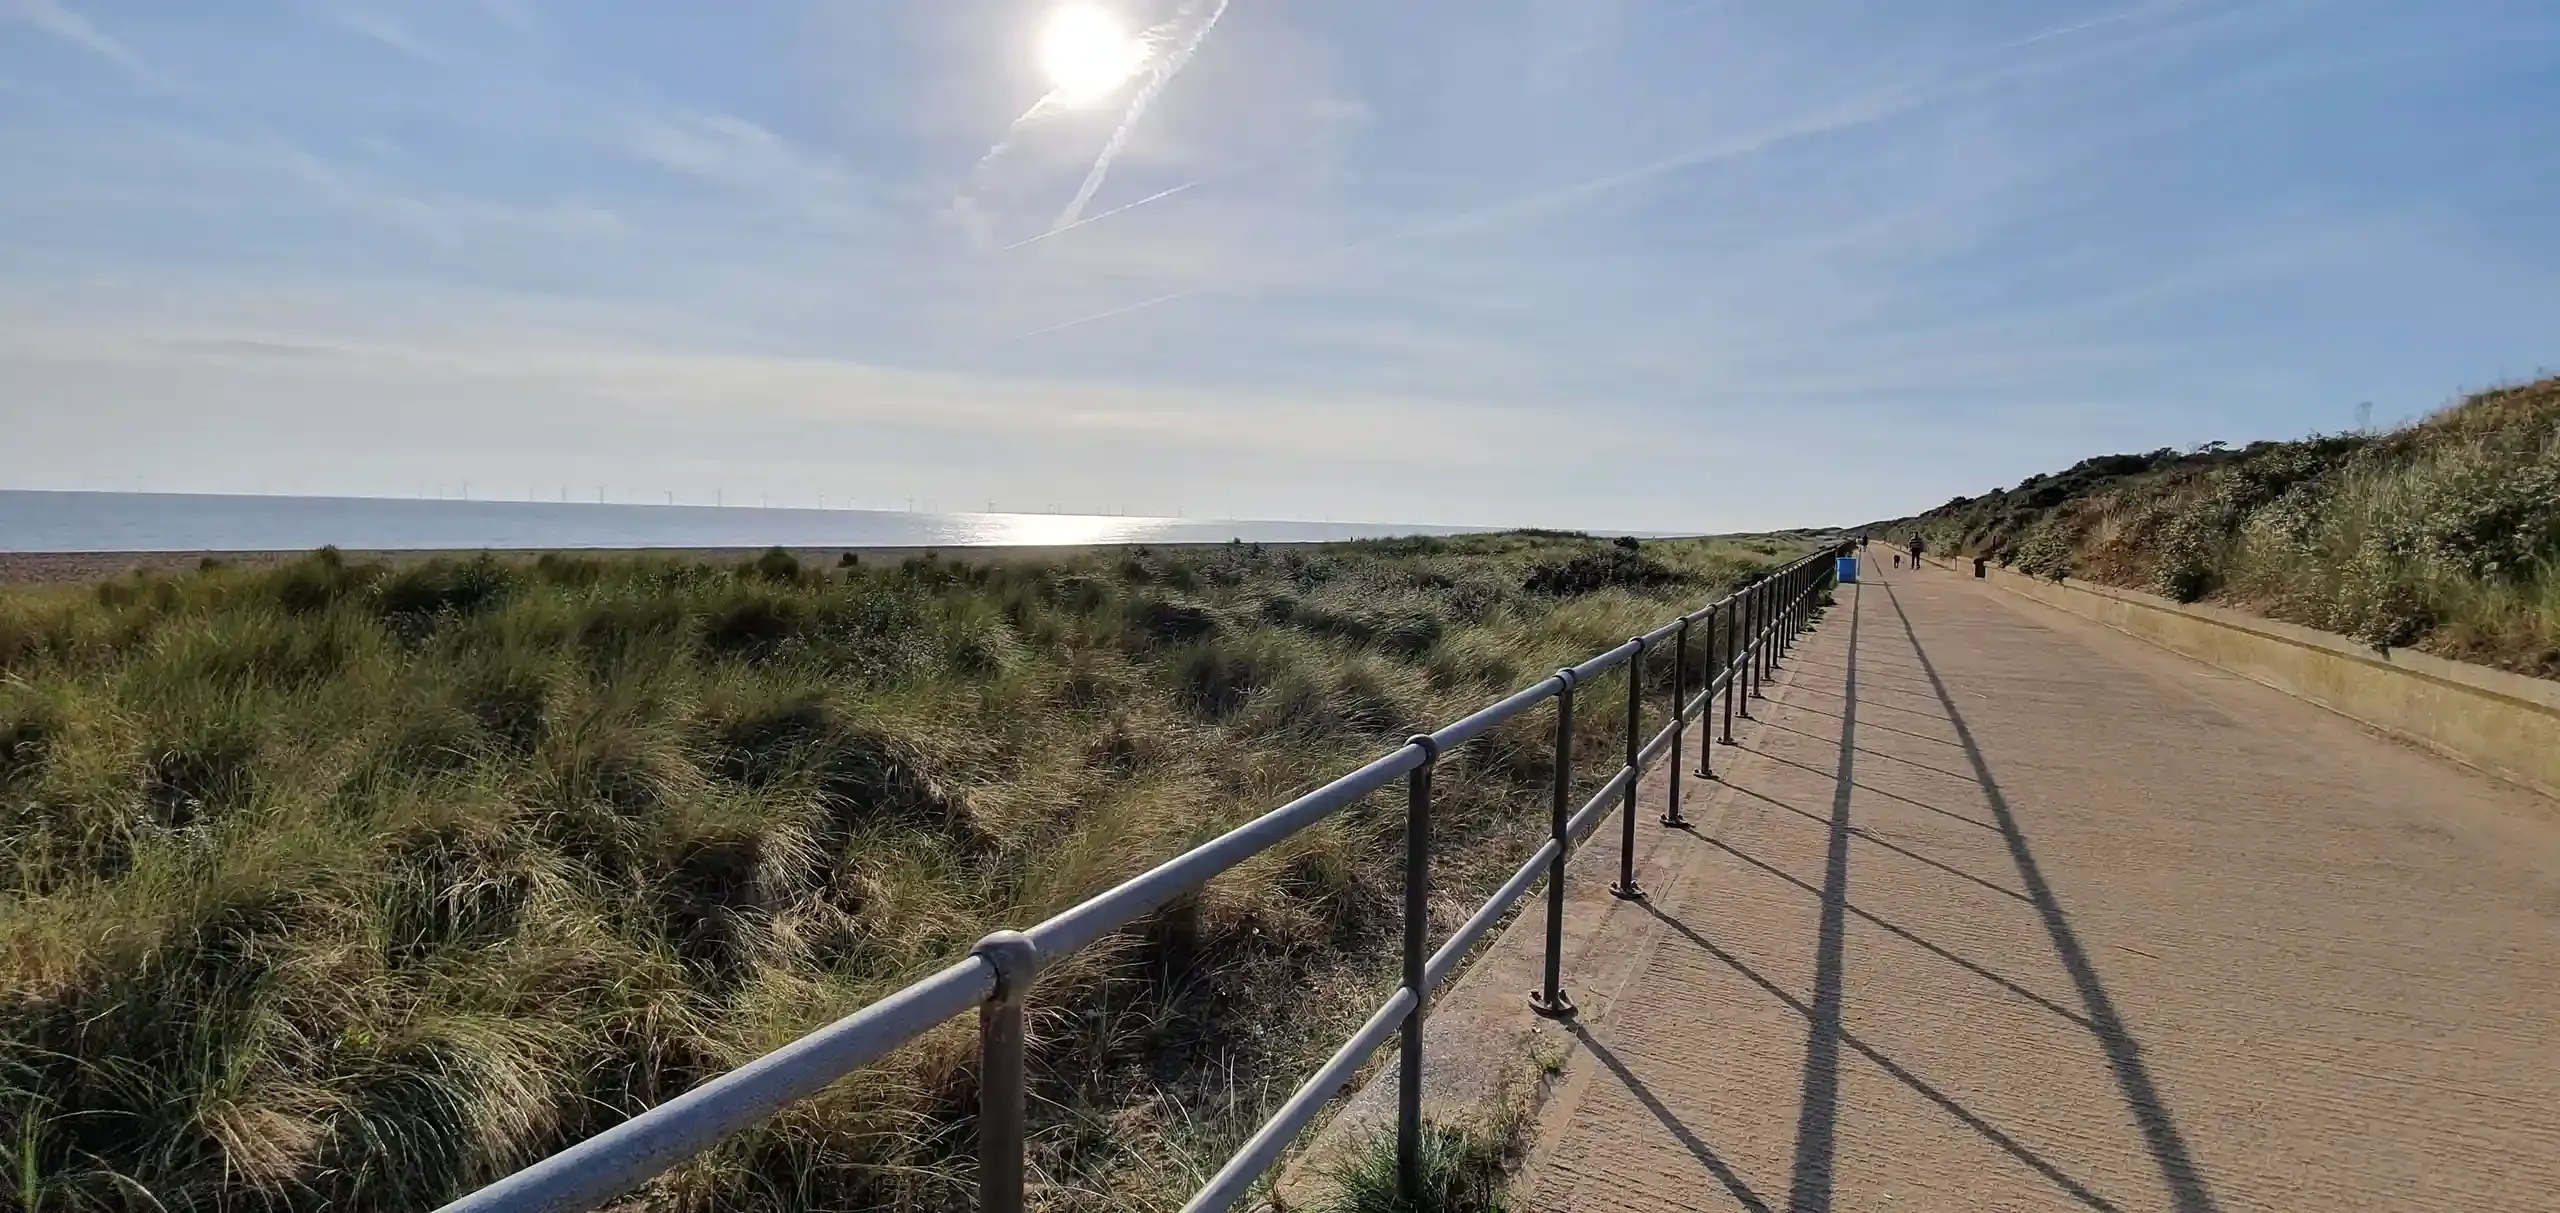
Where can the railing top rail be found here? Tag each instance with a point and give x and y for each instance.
(1142, 894)
(629, 1154)
(620, 1158)
(1605, 662)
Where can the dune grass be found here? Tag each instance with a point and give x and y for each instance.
(2443, 535)
(340, 885)
(1463, 1171)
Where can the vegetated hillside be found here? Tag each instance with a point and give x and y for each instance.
(2443, 535)
(343, 886)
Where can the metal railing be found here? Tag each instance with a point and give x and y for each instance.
(1759, 622)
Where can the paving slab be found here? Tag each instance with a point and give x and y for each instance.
(2003, 910)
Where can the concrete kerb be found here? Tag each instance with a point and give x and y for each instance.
(2502, 724)
(1489, 1062)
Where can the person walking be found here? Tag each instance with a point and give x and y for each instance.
(1915, 549)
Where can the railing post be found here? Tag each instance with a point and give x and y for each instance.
(1732, 658)
(1760, 637)
(1626, 887)
(1550, 1000)
(1777, 620)
(1000, 1070)
(1794, 599)
(1417, 930)
(1679, 718)
(1750, 646)
(1707, 714)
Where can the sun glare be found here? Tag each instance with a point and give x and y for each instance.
(1087, 54)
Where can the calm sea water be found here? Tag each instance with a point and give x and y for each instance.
(176, 522)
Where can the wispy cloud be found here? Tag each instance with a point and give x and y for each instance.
(514, 14)
(383, 28)
(57, 19)
(507, 354)
(1580, 233)
(750, 161)
(1872, 107)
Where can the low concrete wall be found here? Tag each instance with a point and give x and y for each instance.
(2505, 724)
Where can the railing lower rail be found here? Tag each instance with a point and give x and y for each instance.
(1760, 621)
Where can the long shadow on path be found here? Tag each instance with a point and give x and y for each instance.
(1818, 1111)
(1699, 1150)
(1781, 759)
(1990, 1132)
(2168, 1147)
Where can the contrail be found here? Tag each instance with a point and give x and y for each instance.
(1166, 70)
(1855, 112)
(1124, 309)
(1004, 142)
(1096, 218)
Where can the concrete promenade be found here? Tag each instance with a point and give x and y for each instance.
(1999, 909)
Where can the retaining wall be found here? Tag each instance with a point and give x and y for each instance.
(2505, 724)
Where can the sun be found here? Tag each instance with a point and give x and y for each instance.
(1087, 55)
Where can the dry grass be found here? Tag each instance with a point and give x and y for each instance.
(2444, 535)
(351, 886)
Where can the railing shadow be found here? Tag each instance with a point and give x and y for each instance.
(2168, 1147)
(1783, 760)
(1818, 1111)
(1952, 745)
(1906, 935)
(1899, 1073)
(1884, 754)
(1688, 1140)
(1865, 836)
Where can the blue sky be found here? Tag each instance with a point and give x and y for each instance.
(1659, 265)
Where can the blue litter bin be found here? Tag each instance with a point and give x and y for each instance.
(1848, 570)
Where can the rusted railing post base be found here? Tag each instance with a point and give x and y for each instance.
(1625, 892)
(1555, 1007)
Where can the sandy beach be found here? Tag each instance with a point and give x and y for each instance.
(40, 568)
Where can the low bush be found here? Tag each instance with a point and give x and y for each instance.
(1610, 567)
(2441, 535)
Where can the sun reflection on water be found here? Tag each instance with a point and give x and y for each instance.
(1057, 530)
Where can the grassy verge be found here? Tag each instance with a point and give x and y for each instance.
(1463, 1171)
(353, 886)
(2443, 535)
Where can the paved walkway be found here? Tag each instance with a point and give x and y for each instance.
(2003, 910)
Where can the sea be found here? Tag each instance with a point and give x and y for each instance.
(40, 521)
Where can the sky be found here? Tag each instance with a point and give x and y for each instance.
(1613, 264)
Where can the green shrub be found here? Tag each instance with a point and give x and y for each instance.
(1169, 621)
(2437, 535)
(1590, 572)
(2045, 551)
(432, 588)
